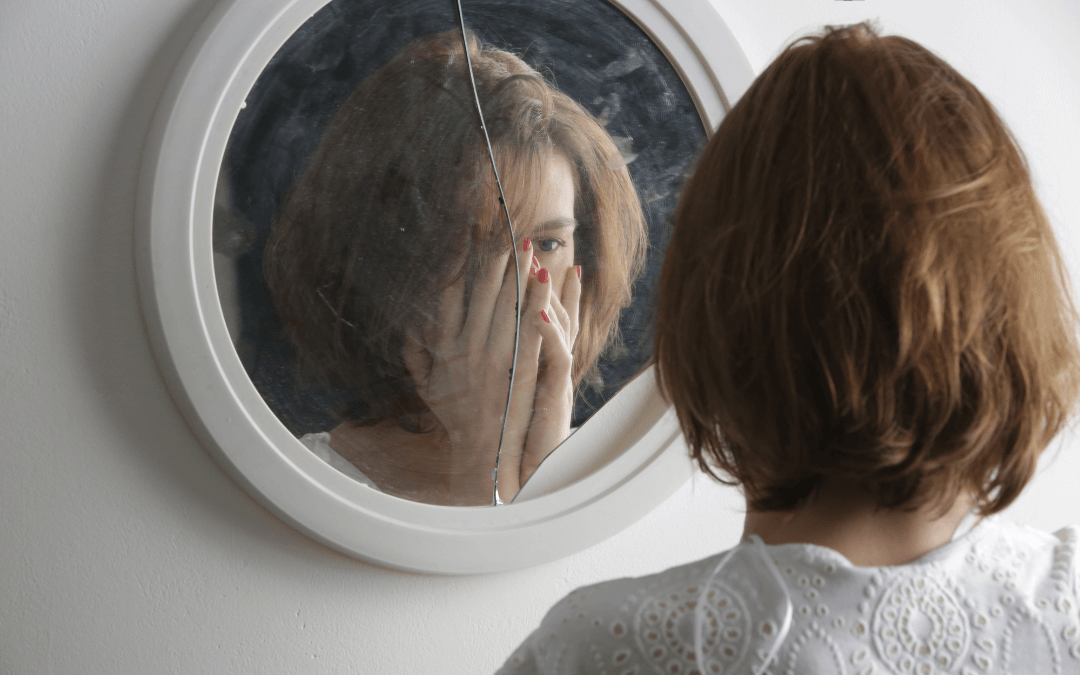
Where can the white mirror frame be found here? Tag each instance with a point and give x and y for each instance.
(635, 434)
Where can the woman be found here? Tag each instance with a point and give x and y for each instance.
(865, 323)
(390, 268)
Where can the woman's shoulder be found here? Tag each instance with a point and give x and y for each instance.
(1003, 549)
(988, 596)
(603, 626)
(1043, 566)
(618, 608)
(664, 622)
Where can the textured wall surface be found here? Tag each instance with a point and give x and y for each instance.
(124, 549)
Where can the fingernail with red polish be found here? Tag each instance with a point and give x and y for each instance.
(543, 276)
(578, 271)
(544, 316)
(526, 244)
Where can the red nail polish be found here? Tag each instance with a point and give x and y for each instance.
(544, 316)
(543, 276)
(526, 244)
(578, 271)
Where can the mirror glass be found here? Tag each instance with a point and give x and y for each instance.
(362, 249)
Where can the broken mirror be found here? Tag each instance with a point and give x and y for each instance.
(386, 263)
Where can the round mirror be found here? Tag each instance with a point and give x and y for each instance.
(335, 294)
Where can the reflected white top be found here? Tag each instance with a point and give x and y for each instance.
(1000, 599)
(319, 443)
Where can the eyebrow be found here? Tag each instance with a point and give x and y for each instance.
(557, 224)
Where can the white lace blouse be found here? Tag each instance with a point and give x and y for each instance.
(319, 443)
(1000, 599)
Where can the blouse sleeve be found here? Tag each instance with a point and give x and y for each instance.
(534, 656)
(578, 635)
(523, 660)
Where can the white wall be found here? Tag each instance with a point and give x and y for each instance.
(123, 548)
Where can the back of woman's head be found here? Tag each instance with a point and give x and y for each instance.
(863, 286)
(399, 200)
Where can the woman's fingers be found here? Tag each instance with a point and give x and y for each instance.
(485, 293)
(529, 343)
(536, 297)
(571, 296)
(554, 398)
(560, 317)
(554, 336)
(539, 295)
(525, 375)
(505, 314)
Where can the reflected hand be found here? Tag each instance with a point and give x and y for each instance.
(557, 323)
(460, 363)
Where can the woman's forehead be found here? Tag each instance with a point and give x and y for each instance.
(544, 198)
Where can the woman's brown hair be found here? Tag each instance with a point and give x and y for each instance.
(398, 201)
(863, 286)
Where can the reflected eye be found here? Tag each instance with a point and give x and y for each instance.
(548, 245)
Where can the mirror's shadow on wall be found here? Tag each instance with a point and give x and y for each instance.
(589, 51)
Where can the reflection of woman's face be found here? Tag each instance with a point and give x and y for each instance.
(552, 233)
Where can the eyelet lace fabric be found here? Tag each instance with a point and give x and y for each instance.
(1001, 599)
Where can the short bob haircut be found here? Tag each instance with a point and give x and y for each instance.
(398, 201)
(863, 286)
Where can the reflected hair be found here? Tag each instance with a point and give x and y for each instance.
(863, 286)
(398, 201)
